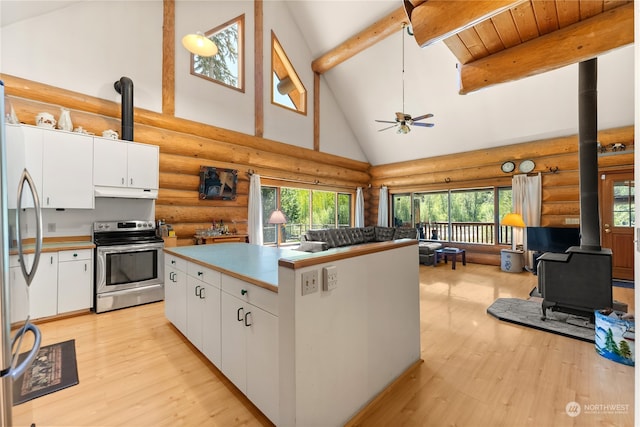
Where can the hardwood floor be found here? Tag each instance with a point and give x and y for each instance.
(135, 369)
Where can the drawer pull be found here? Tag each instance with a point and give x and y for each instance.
(244, 292)
(200, 273)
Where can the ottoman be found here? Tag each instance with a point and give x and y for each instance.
(427, 250)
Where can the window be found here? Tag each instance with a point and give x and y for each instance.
(227, 66)
(287, 89)
(304, 209)
(461, 215)
(623, 204)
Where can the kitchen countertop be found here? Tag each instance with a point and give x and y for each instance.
(252, 263)
(55, 246)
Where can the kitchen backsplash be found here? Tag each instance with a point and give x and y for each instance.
(79, 222)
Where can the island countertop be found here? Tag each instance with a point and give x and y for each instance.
(252, 263)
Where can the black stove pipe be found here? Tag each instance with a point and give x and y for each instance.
(124, 87)
(588, 154)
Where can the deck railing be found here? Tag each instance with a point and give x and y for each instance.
(466, 232)
(456, 232)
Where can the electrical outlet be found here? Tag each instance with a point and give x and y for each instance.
(329, 278)
(309, 282)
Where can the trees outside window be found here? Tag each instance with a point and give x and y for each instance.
(304, 209)
(227, 66)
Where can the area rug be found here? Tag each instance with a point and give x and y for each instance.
(623, 283)
(529, 313)
(53, 369)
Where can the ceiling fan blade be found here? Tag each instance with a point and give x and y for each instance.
(384, 121)
(401, 117)
(380, 130)
(426, 116)
(426, 125)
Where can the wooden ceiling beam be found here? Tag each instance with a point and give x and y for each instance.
(390, 24)
(436, 20)
(578, 42)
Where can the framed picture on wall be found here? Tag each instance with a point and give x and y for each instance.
(218, 183)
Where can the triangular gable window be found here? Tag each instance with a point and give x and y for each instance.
(287, 89)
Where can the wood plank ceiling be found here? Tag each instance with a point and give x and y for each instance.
(503, 40)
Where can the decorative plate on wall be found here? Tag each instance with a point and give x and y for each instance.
(508, 167)
(526, 166)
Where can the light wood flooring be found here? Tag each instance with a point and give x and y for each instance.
(135, 369)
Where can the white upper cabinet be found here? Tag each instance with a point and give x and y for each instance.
(125, 169)
(67, 170)
(59, 162)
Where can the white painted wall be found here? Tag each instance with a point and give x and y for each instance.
(86, 46)
(340, 348)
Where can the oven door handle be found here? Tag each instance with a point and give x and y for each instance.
(100, 270)
(134, 247)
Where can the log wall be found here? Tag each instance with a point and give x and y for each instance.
(185, 146)
(555, 158)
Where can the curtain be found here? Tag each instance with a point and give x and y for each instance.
(359, 208)
(383, 207)
(527, 201)
(255, 211)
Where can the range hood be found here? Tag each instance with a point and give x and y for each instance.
(125, 192)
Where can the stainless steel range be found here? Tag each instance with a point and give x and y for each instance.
(129, 266)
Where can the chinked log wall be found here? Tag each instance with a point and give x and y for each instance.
(185, 146)
(481, 168)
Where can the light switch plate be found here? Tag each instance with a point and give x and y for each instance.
(309, 282)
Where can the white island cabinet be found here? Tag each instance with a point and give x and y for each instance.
(203, 310)
(175, 291)
(250, 342)
(303, 360)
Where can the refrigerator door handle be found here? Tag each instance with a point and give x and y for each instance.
(26, 176)
(37, 336)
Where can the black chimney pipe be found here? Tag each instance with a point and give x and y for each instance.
(124, 87)
(588, 154)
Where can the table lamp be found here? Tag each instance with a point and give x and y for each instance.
(513, 220)
(278, 218)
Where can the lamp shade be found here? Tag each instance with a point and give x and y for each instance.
(199, 45)
(277, 217)
(513, 220)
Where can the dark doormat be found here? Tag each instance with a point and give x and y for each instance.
(529, 313)
(53, 369)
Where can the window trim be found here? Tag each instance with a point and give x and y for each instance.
(241, 52)
(278, 54)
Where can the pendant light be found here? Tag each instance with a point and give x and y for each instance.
(199, 44)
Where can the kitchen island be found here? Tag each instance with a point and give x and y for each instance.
(303, 359)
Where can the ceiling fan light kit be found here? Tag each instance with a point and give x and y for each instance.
(403, 120)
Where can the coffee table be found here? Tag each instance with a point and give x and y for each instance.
(450, 252)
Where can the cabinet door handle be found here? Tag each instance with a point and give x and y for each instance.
(131, 181)
(51, 261)
(122, 181)
(238, 314)
(247, 322)
(197, 293)
(75, 255)
(202, 295)
(85, 267)
(171, 276)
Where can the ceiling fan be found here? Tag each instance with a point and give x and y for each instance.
(404, 121)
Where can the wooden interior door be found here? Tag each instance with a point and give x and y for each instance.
(618, 220)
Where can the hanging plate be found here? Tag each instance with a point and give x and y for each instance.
(526, 166)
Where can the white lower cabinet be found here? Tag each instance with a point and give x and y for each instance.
(43, 292)
(203, 310)
(175, 291)
(19, 295)
(250, 342)
(63, 283)
(75, 280)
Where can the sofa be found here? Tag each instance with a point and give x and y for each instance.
(324, 239)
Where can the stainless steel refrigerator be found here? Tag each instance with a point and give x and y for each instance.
(10, 341)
